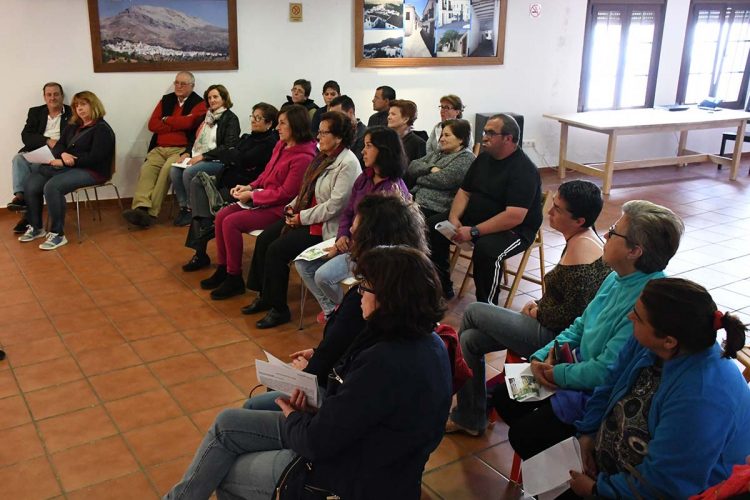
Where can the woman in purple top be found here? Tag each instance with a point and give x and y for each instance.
(385, 162)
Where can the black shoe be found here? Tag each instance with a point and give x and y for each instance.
(17, 204)
(255, 307)
(184, 218)
(20, 227)
(233, 285)
(139, 217)
(216, 279)
(448, 292)
(274, 318)
(197, 262)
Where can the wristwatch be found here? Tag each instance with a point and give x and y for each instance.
(474, 232)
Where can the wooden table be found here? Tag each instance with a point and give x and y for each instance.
(648, 121)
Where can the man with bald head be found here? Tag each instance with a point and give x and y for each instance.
(173, 123)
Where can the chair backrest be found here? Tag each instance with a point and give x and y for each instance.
(546, 204)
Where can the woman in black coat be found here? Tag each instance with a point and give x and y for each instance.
(383, 414)
(83, 157)
(242, 164)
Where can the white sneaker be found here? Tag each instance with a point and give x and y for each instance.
(53, 241)
(31, 234)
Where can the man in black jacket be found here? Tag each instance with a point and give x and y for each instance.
(381, 103)
(43, 126)
(173, 123)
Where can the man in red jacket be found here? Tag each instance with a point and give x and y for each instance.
(173, 122)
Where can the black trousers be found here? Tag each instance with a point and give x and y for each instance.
(269, 270)
(489, 253)
(534, 427)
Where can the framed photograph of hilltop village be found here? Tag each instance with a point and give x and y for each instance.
(163, 35)
(399, 33)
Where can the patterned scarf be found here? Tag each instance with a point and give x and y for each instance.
(319, 164)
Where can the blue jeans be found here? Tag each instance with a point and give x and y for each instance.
(21, 171)
(181, 178)
(487, 328)
(54, 184)
(241, 456)
(322, 278)
(263, 401)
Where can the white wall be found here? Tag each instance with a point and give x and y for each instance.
(46, 40)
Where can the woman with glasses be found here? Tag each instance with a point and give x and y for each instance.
(300, 95)
(569, 287)
(385, 161)
(382, 219)
(261, 203)
(435, 178)
(219, 131)
(381, 418)
(311, 217)
(241, 165)
(674, 415)
(638, 248)
(451, 108)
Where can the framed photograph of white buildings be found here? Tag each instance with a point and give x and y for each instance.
(398, 33)
(168, 35)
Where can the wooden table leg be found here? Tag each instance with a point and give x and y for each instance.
(737, 155)
(563, 150)
(609, 163)
(681, 145)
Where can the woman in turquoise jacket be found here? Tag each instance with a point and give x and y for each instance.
(638, 248)
(674, 416)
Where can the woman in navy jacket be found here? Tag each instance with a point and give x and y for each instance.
(383, 414)
(83, 157)
(674, 416)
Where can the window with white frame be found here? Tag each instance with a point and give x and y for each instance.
(621, 54)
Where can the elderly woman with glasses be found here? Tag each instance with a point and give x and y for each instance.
(381, 417)
(638, 248)
(311, 217)
(451, 108)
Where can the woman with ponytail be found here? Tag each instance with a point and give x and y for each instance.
(674, 416)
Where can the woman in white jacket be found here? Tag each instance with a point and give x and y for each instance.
(313, 216)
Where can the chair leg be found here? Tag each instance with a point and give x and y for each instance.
(517, 278)
(119, 200)
(515, 470)
(541, 266)
(469, 271)
(78, 216)
(98, 207)
(302, 299)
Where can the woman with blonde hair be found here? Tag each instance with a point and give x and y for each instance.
(83, 157)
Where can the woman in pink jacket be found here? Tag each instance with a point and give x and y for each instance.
(262, 202)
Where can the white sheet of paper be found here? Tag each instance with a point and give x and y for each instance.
(549, 470)
(515, 372)
(316, 251)
(182, 164)
(40, 155)
(447, 229)
(281, 377)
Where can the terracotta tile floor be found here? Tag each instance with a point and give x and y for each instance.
(117, 362)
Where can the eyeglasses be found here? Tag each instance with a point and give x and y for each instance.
(611, 232)
(257, 118)
(492, 133)
(324, 132)
(297, 90)
(181, 84)
(362, 289)
(446, 108)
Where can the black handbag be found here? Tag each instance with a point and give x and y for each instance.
(292, 484)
